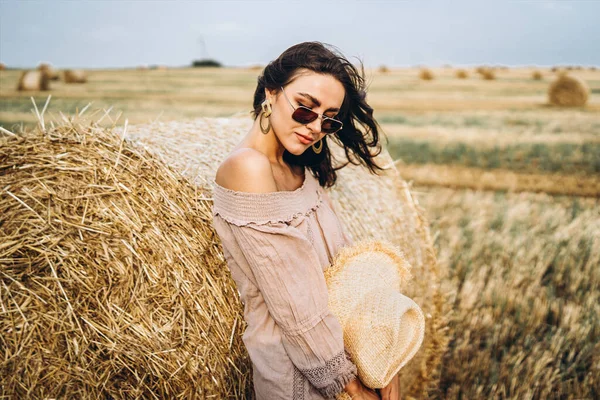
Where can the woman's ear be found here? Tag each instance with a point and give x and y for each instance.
(270, 94)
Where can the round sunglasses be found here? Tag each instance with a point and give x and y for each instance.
(305, 115)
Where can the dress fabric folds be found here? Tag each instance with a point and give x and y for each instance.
(277, 246)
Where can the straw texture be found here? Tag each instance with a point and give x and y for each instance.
(112, 283)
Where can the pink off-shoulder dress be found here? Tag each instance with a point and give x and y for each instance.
(277, 246)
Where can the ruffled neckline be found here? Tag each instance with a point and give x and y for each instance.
(242, 208)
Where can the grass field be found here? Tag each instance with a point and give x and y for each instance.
(510, 184)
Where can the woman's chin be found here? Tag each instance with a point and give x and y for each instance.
(297, 148)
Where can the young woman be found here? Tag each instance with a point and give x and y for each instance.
(279, 229)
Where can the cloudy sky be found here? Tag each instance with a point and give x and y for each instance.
(114, 34)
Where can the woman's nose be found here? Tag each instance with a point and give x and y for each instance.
(315, 126)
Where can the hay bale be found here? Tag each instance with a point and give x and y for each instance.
(536, 75)
(488, 74)
(568, 91)
(33, 80)
(425, 74)
(197, 147)
(49, 71)
(383, 69)
(2, 66)
(113, 285)
(461, 74)
(75, 76)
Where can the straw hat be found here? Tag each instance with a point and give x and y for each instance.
(383, 329)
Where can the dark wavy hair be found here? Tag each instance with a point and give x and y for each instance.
(360, 131)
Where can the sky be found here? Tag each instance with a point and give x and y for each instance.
(129, 33)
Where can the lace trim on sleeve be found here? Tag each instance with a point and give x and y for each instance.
(331, 378)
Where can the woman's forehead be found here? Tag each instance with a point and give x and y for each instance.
(325, 88)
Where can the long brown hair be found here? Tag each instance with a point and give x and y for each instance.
(355, 112)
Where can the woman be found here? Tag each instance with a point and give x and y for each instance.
(279, 229)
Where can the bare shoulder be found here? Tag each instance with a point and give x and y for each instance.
(246, 170)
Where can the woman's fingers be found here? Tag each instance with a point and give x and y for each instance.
(390, 392)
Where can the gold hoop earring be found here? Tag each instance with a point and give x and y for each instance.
(268, 128)
(317, 150)
(266, 107)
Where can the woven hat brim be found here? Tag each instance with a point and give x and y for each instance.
(347, 253)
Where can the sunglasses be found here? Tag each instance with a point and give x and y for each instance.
(305, 115)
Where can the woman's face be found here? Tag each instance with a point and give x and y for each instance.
(321, 93)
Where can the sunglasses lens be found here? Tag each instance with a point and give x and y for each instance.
(330, 126)
(304, 115)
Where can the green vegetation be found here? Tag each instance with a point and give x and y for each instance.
(567, 158)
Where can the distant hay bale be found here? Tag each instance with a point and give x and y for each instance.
(199, 146)
(50, 71)
(75, 76)
(488, 74)
(536, 75)
(2, 66)
(383, 69)
(568, 91)
(425, 74)
(112, 283)
(461, 74)
(33, 80)
(480, 70)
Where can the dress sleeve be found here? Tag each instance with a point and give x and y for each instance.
(289, 275)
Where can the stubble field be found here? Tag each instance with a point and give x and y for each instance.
(510, 186)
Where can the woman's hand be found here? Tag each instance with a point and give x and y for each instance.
(392, 390)
(358, 391)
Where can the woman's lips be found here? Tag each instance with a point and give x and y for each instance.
(302, 139)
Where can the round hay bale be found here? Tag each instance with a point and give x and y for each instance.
(568, 91)
(197, 148)
(425, 74)
(461, 74)
(383, 69)
(49, 70)
(75, 76)
(33, 80)
(2, 66)
(113, 285)
(488, 74)
(536, 75)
